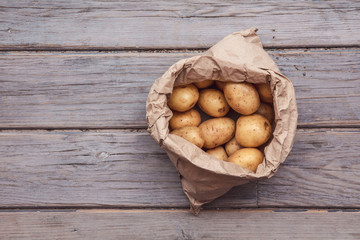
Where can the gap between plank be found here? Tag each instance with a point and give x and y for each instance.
(139, 130)
(172, 209)
(159, 51)
(107, 49)
(144, 129)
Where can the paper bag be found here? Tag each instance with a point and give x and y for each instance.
(238, 57)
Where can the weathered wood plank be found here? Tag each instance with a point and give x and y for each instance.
(127, 169)
(322, 169)
(180, 224)
(113, 168)
(168, 24)
(109, 90)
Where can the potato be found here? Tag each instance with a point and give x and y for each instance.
(264, 92)
(213, 103)
(191, 133)
(183, 98)
(204, 84)
(218, 152)
(253, 130)
(185, 119)
(267, 111)
(232, 146)
(248, 158)
(242, 97)
(217, 131)
(220, 85)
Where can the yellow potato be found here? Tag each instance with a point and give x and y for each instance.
(242, 97)
(192, 134)
(204, 84)
(248, 158)
(184, 119)
(253, 130)
(218, 152)
(183, 98)
(264, 92)
(217, 131)
(267, 111)
(220, 85)
(213, 103)
(232, 146)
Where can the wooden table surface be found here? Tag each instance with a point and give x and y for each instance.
(76, 161)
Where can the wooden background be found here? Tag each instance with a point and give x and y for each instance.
(77, 163)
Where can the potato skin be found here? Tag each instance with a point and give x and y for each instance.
(217, 131)
(185, 119)
(220, 85)
(183, 98)
(242, 97)
(264, 92)
(191, 134)
(248, 158)
(267, 111)
(213, 103)
(218, 152)
(232, 146)
(204, 84)
(253, 130)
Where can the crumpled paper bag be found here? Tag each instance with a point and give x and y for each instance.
(238, 57)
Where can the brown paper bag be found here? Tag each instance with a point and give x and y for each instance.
(238, 57)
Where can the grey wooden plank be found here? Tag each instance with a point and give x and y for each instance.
(167, 24)
(76, 90)
(322, 170)
(127, 169)
(97, 168)
(325, 82)
(109, 90)
(180, 224)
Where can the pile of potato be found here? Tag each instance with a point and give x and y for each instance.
(220, 136)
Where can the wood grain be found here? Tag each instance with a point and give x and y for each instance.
(127, 169)
(179, 224)
(323, 169)
(108, 90)
(105, 168)
(98, 24)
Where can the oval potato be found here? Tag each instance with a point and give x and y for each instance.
(232, 146)
(204, 84)
(191, 134)
(183, 98)
(213, 103)
(253, 130)
(264, 92)
(220, 85)
(217, 131)
(267, 111)
(185, 119)
(248, 158)
(242, 97)
(218, 152)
